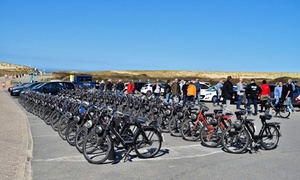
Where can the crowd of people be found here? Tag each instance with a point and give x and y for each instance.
(251, 94)
(189, 91)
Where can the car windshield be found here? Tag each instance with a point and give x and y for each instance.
(212, 88)
(38, 85)
(84, 79)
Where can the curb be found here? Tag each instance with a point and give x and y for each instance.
(27, 170)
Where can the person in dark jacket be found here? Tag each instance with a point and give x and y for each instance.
(120, 87)
(108, 87)
(252, 92)
(175, 90)
(184, 92)
(227, 93)
(168, 91)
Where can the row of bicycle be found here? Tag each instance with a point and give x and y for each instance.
(97, 124)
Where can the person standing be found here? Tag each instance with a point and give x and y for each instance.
(156, 90)
(108, 87)
(120, 87)
(198, 90)
(175, 89)
(264, 95)
(289, 95)
(218, 88)
(277, 93)
(168, 90)
(97, 84)
(191, 92)
(240, 93)
(227, 94)
(184, 92)
(130, 88)
(252, 92)
(101, 86)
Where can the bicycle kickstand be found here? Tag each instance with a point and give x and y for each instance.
(126, 155)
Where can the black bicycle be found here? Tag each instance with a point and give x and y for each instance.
(241, 134)
(144, 140)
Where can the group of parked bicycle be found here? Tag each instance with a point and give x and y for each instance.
(98, 124)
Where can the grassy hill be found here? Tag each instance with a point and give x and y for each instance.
(164, 75)
(8, 68)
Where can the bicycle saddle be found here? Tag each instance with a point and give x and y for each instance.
(265, 117)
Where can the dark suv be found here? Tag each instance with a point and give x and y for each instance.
(53, 87)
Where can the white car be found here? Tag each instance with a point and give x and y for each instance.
(147, 89)
(209, 94)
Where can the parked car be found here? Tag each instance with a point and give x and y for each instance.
(147, 88)
(53, 87)
(138, 85)
(18, 89)
(10, 88)
(209, 94)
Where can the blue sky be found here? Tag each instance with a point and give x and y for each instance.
(197, 35)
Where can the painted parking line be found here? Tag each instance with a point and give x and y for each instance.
(177, 153)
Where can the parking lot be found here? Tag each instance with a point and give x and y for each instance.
(54, 158)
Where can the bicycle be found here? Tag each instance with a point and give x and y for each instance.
(241, 134)
(191, 127)
(145, 140)
(211, 133)
(280, 109)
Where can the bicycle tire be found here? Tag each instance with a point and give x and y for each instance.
(211, 136)
(187, 132)
(71, 131)
(55, 120)
(80, 137)
(284, 112)
(270, 133)
(62, 126)
(145, 140)
(175, 127)
(235, 141)
(47, 117)
(96, 149)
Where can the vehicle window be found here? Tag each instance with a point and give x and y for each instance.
(203, 86)
(47, 86)
(69, 86)
(212, 88)
(84, 79)
(59, 85)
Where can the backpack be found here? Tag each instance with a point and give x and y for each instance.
(294, 88)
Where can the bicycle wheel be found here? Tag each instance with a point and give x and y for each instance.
(190, 130)
(96, 149)
(211, 136)
(71, 133)
(80, 137)
(284, 112)
(47, 117)
(55, 120)
(270, 137)
(175, 127)
(147, 143)
(62, 126)
(235, 141)
(164, 124)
